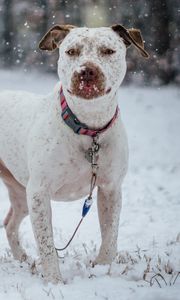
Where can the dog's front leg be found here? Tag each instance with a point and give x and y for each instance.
(109, 207)
(40, 214)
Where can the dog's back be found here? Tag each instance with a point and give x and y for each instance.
(18, 110)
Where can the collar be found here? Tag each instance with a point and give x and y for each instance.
(78, 127)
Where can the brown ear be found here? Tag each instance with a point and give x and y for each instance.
(53, 38)
(131, 36)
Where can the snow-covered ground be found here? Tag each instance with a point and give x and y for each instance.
(149, 233)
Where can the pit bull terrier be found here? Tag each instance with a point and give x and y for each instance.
(43, 139)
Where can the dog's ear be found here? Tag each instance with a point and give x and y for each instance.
(131, 36)
(53, 38)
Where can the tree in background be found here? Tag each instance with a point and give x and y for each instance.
(8, 34)
(161, 38)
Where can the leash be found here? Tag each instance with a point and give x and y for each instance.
(92, 157)
(91, 154)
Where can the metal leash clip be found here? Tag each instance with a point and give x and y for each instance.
(92, 153)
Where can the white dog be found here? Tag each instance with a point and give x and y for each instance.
(43, 139)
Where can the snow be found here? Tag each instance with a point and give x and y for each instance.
(149, 236)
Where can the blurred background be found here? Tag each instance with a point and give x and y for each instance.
(23, 23)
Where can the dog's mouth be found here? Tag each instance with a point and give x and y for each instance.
(88, 91)
(89, 82)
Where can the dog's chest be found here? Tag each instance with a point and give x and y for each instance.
(73, 189)
(74, 175)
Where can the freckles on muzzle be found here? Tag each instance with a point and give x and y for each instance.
(89, 82)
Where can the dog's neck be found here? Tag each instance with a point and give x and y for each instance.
(94, 113)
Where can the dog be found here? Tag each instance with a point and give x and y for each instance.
(42, 156)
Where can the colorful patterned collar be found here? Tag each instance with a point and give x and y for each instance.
(81, 128)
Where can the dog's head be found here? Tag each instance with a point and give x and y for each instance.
(92, 61)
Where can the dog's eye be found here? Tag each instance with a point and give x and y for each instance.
(73, 52)
(107, 51)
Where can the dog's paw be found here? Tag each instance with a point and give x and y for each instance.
(32, 264)
(23, 257)
(20, 255)
(54, 279)
(33, 267)
(102, 260)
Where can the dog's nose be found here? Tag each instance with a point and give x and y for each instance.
(88, 74)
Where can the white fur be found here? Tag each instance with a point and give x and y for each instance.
(46, 157)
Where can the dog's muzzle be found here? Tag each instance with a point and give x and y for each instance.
(89, 82)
